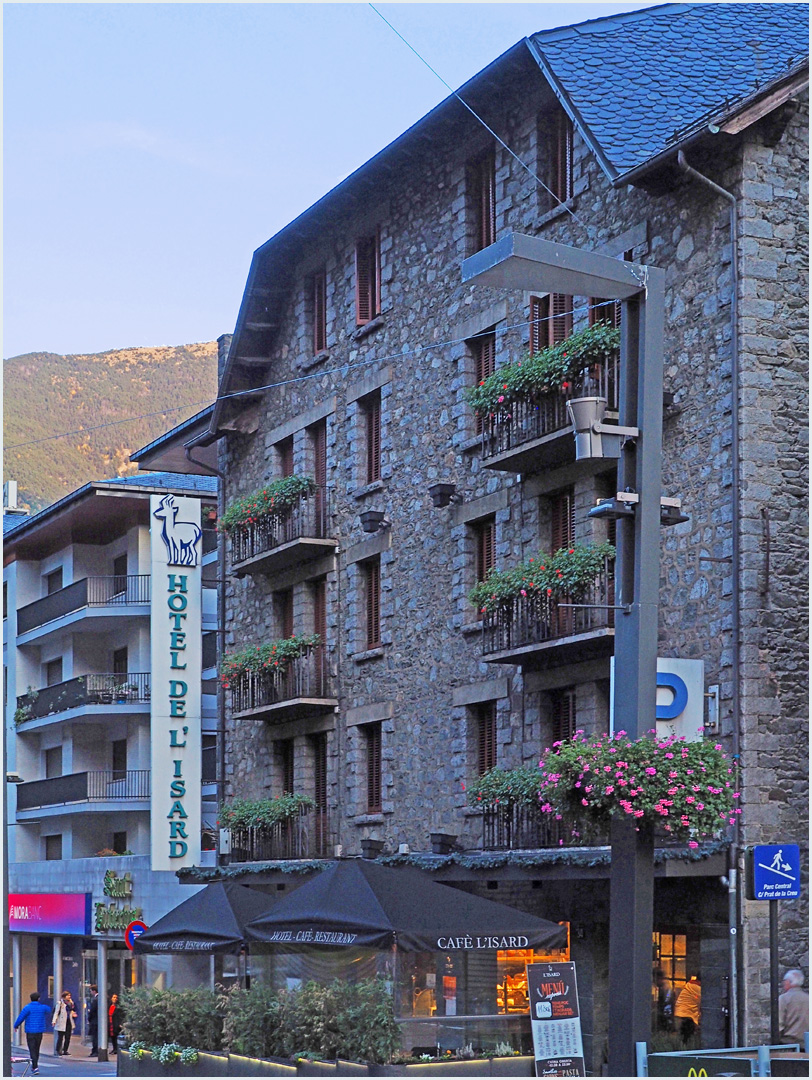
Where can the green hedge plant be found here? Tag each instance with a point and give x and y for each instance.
(558, 368)
(272, 500)
(253, 813)
(506, 787)
(569, 572)
(161, 1017)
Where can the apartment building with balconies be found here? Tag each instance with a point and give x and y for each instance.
(78, 624)
(353, 351)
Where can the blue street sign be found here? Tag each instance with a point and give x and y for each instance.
(776, 872)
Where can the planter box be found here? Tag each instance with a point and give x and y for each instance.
(207, 1065)
(507, 1066)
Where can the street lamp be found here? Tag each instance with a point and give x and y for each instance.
(529, 264)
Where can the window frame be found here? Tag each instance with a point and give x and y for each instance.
(373, 735)
(372, 602)
(367, 278)
(318, 308)
(486, 736)
(563, 713)
(371, 409)
(482, 181)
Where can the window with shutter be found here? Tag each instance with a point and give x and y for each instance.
(483, 175)
(286, 761)
(483, 348)
(372, 584)
(372, 412)
(485, 534)
(320, 608)
(604, 311)
(486, 737)
(367, 279)
(563, 713)
(562, 519)
(319, 744)
(561, 321)
(317, 435)
(319, 309)
(550, 320)
(284, 450)
(284, 612)
(561, 165)
(373, 737)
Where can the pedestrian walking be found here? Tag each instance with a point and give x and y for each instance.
(793, 1009)
(665, 1001)
(93, 1020)
(688, 1009)
(35, 1016)
(62, 1020)
(115, 1016)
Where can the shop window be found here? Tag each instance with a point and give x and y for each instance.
(562, 519)
(119, 842)
(286, 763)
(371, 408)
(372, 733)
(53, 762)
(318, 307)
(284, 456)
(367, 279)
(119, 759)
(53, 581)
(671, 957)
(53, 672)
(372, 597)
(486, 736)
(208, 759)
(562, 713)
(482, 199)
(53, 848)
(550, 320)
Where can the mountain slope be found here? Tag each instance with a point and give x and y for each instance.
(47, 394)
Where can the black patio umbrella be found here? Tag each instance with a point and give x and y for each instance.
(361, 904)
(211, 921)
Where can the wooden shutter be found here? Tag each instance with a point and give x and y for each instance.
(367, 279)
(285, 451)
(563, 713)
(562, 519)
(373, 734)
(320, 771)
(604, 311)
(486, 548)
(562, 158)
(561, 322)
(372, 409)
(484, 350)
(486, 737)
(318, 444)
(485, 193)
(284, 602)
(319, 302)
(320, 608)
(286, 762)
(539, 325)
(373, 602)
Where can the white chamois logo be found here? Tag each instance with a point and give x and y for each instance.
(180, 537)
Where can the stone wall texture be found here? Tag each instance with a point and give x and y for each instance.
(418, 355)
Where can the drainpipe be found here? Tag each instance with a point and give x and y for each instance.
(221, 639)
(733, 900)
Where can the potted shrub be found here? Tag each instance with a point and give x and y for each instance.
(569, 572)
(274, 500)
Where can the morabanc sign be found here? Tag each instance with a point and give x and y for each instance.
(176, 673)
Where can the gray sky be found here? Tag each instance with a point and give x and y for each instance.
(149, 148)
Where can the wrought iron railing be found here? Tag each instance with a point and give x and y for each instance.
(305, 836)
(308, 676)
(84, 787)
(511, 827)
(93, 689)
(538, 415)
(308, 517)
(87, 592)
(537, 618)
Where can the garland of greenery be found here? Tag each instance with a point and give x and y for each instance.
(273, 500)
(569, 572)
(555, 368)
(686, 788)
(254, 813)
(272, 656)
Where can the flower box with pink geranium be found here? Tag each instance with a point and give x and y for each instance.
(686, 789)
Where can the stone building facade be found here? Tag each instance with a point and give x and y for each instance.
(422, 687)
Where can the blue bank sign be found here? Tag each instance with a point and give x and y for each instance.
(775, 872)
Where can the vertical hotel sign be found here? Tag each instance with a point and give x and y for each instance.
(175, 740)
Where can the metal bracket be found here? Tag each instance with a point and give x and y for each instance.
(625, 608)
(615, 429)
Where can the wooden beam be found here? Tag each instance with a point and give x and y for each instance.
(766, 104)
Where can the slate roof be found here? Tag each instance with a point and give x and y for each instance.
(189, 481)
(639, 83)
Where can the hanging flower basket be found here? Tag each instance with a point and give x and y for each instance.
(559, 368)
(688, 789)
(273, 500)
(269, 657)
(569, 572)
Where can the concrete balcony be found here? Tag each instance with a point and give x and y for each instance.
(537, 631)
(104, 599)
(80, 791)
(296, 535)
(96, 693)
(303, 688)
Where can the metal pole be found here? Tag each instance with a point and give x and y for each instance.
(635, 683)
(774, 1033)
(16, 969)
(101, 979)
(57, 978)
(6, 932)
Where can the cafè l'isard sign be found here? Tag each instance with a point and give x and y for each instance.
(175, 738)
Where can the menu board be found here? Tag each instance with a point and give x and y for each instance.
(555, 1020)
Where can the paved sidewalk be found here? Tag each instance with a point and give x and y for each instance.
(77, 1063)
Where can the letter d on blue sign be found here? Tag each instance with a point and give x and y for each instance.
(680, 691)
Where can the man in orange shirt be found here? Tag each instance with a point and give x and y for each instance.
(688, 1009)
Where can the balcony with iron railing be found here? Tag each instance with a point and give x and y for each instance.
(304, 836)
(106, 785)
(120, 592)
(537, 630)
(96, 689)
(297, 534)
(302, 687)
(536, 432)
(513, 827)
